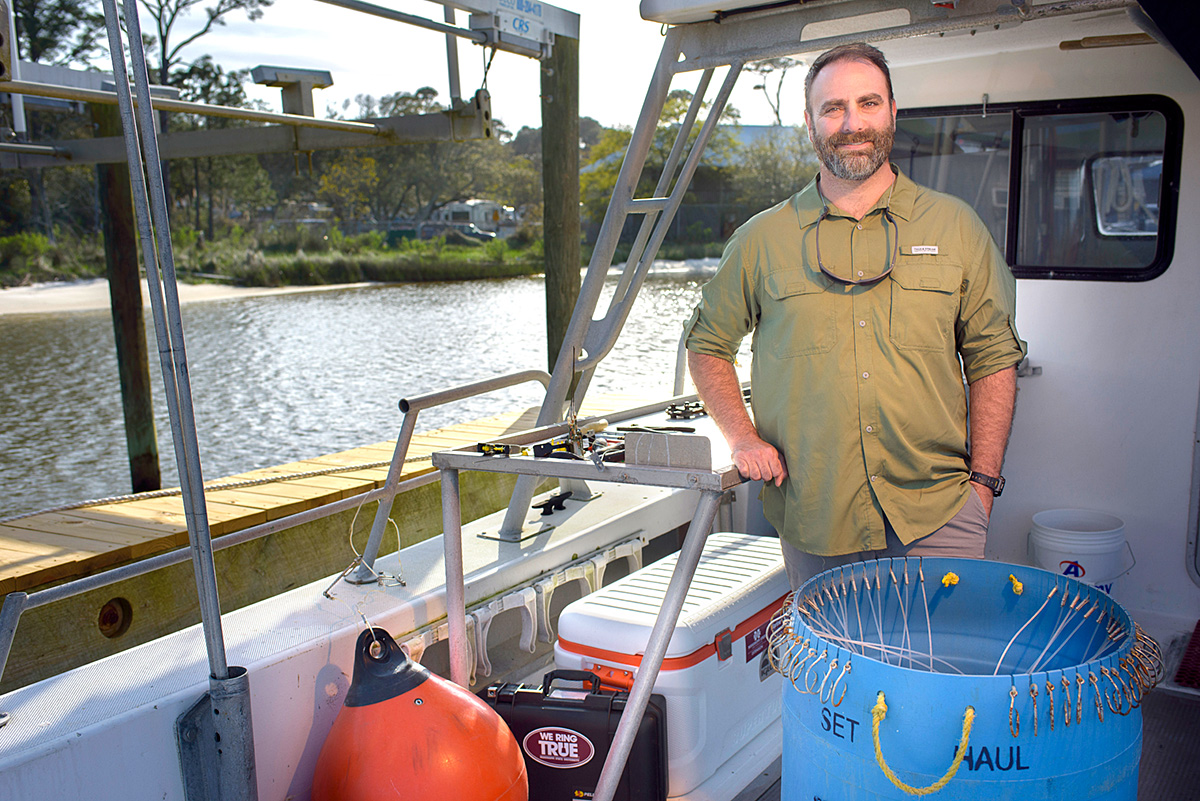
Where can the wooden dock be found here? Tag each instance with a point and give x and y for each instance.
(52, 547)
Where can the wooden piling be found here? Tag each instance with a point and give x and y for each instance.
(560, 185)
(129, 328)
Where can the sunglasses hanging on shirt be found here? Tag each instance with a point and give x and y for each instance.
(887, 218)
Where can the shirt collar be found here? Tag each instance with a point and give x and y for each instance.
(808, 205)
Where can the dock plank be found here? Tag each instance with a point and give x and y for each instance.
(136, 513)
(54, 546)
(42, 542)
(17, 568)
(157, 529)
(103, 531)
(274, 504)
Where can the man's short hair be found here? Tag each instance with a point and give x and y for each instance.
(856, 51)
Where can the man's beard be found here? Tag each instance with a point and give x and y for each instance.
(855, 166)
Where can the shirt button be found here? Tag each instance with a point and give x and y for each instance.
(862, 323)
(873, 479)
(866, 375)
(860, 273)
(870, 429)
(859, 226)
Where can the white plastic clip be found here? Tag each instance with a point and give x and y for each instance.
(523, 600)
(585, 572)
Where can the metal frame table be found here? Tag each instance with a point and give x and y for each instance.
(711, 483)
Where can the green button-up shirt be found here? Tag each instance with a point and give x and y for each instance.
(861, 387)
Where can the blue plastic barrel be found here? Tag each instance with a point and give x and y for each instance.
(856, 644)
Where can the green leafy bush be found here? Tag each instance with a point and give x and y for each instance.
(496, 250)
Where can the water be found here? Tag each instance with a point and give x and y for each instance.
(286, 377)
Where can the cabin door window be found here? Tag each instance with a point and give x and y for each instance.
(1089, 192)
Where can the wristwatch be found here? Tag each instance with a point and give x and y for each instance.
(994, 483)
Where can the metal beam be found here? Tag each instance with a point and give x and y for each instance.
(184, 106)
(524, 28)
(20, 148)
(399, 16)
(775, 31)
(558, 21)
(472, 120)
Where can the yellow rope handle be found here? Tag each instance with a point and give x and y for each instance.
(877, 715)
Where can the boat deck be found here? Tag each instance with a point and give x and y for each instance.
(63, 544)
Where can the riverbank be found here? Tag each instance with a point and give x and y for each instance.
(92, 295)
(284, 257)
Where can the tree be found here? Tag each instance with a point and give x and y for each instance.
(773, 167)
(528, 141)
(765, 69)
(516, 181)
(216, 183)
(521, 183)
(58, 31)
(417, 179)
(599, 174)
(54, 32)
(168, 14)
(348, 184)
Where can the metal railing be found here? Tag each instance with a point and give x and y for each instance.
(411, 407)
(16, 603)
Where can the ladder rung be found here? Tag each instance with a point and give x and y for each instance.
(647, 204)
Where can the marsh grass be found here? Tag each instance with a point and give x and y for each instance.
(31, 258)
(306, 256)
(280, 256)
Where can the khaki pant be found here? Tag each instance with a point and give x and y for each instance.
(964, 536)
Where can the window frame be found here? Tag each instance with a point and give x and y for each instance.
(1168, 202)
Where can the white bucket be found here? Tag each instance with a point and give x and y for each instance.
(1081, 543)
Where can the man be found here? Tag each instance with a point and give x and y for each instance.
(863, 293)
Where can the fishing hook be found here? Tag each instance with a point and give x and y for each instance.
(821, 689)
(1079, 699)
(845, 670)
(1013, 712)
(794, 674)
(808, 673)
(1116, 693)
(1033, 693)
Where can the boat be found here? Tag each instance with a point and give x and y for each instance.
(1066, 125)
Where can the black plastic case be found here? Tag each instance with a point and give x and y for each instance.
(565, 735)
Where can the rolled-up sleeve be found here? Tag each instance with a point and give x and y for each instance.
(986, 328)
(728, 308)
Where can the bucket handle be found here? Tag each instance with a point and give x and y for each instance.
(1132, 557)
(877, 716)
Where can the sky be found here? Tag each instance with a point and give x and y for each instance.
(371, 55)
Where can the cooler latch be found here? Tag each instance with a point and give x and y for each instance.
(724, 644)
(614, 678)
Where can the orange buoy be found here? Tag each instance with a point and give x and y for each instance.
(406, 733)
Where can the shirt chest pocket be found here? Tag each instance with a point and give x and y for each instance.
(797, 317)
(925, 299)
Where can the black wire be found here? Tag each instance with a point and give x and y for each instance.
(487, 66)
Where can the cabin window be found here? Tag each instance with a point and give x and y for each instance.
(963, 155)
(1095, 181)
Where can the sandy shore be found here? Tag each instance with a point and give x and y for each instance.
(56, 298)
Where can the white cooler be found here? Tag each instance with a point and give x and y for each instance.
(720, 689)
